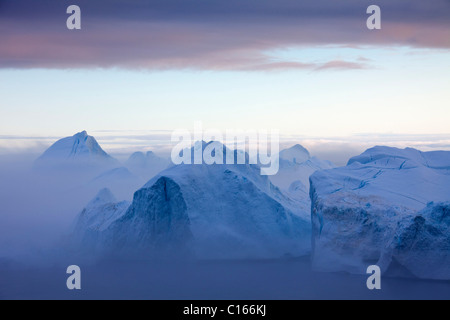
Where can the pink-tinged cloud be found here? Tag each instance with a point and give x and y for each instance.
(232, 38)
(340, 65)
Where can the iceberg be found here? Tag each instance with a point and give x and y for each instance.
(212, 212)
(79, 152)
(146, 166)
(97, 216)
(388, 207)
(296, 166)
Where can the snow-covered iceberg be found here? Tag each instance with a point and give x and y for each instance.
(96, 217)
(388, 207)
(146, 165)
(79, 152)
(213, 211)
(296, 166)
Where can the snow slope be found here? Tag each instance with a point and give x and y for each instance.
(213, 211)
(388, 207)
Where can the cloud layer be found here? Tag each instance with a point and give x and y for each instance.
(208, 35)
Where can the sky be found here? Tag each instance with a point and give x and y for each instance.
(311, 69)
